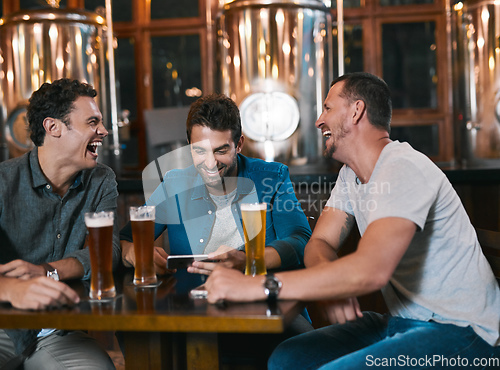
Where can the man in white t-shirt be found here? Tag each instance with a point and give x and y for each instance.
(417, 245)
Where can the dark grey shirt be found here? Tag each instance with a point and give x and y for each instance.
(37, 225)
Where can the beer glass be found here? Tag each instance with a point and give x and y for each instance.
(100, 242)
(143, 225)
(254, 229)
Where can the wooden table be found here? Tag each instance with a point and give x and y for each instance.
(162, 326)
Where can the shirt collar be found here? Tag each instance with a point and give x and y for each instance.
(37, 175)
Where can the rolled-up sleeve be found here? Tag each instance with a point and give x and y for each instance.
(290, 224)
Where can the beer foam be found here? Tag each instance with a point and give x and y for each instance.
(143, 213)
(253, 206)
(98, 222)
(142, 218)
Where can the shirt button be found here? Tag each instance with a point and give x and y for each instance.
(209, 212)
(58, 236)
(48, 187)
(201, 240)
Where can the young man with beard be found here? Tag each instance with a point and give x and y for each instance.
(43, 197)
(200, 208)
(200, 205)
(417, 245)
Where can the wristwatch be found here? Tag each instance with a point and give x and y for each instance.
(51, 272)
(272, 287)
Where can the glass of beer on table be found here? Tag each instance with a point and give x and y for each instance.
(254, 229)
(100, 243)
(143, 225)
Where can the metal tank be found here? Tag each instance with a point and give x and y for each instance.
(274, 62)
(40, 46)
(475, 48)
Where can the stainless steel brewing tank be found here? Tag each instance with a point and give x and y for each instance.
(475, 50)
(275, 62)
(40, 46)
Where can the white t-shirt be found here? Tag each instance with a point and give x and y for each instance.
(443, 276)
(225, 231)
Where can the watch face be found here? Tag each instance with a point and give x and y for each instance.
(272, 286)
(272, 283)
(53, 275)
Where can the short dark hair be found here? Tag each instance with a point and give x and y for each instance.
(54, 100)
(373, 91)
(217, 112)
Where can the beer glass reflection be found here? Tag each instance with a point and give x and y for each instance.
(145, 299)
(143, 224)
(254, 229)
(100, 243)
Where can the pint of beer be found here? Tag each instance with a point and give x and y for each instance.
(254, 228)
(100, 242)
(143, 225)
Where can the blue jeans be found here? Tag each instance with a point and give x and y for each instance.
(383, 341)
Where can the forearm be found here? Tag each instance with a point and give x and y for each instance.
(368, 269)
(68, 268)
(272, 258)
(318, 251)
(343, 278)
(6, 285)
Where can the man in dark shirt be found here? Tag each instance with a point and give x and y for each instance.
(43, 197)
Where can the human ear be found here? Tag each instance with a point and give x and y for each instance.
(239, 145)
(358, 111)
(52, 126)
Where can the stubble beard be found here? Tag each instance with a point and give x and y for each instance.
(218, 183)
(330, 150)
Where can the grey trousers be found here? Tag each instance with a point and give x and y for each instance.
(73, 350)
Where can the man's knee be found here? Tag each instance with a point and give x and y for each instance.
(73, 349)
(286, 355)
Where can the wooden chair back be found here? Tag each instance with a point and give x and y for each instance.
(490, 244)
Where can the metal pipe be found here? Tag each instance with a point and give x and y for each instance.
(112, 80)
(340, 35)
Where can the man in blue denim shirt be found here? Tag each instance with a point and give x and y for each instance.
(43, 196)
(200, 205)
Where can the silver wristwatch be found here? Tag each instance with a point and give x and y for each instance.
(51, 272)
(272, 287)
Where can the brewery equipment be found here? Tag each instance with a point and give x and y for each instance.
(475, 50)
(43, 45)
(274, 62)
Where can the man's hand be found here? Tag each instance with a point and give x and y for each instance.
(223, 256)
(160, 258)
(128, 255)
(22, 270)
(232, 285)
(340, 311)
(37, 293)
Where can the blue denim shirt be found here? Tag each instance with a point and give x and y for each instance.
(185, 208)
